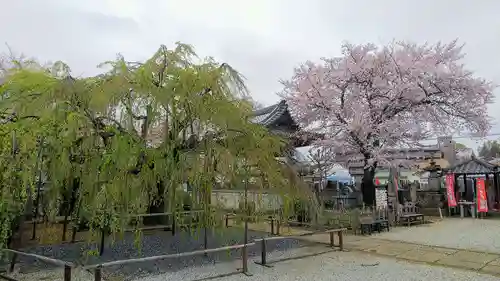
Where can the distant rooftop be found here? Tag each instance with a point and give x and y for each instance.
(268, 115)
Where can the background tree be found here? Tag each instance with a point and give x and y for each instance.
(112, 146)
(374, 98)
(490, 149)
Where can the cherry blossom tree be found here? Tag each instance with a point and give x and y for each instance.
(374, 98)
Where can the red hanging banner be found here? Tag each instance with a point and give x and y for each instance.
(482, 202)
(450, 190)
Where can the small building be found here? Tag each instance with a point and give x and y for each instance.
(466, 174)
(444, 153)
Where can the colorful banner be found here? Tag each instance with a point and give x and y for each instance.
(450, 190)
(396, 184)
(482, 201)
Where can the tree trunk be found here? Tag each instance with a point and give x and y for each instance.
(368, 186)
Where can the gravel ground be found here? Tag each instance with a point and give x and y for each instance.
(467, 233)
(159, 243)
(349, 266)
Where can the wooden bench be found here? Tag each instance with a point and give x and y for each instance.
(376, 221)
(381, 224)
(410, 214)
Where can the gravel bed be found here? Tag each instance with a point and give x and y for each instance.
(466, 233)
(346, 266)
(159, 243)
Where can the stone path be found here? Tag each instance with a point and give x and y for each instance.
(456, 258)
(435, 244)
(346, 266)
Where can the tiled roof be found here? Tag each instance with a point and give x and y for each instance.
(473, 166)
(268, 115)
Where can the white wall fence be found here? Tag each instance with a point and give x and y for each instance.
(230, 199)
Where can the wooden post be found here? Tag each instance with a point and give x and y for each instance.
(73, 234)
(263, 253)
(101, 246)
(98, 274)
(173, 225)
(332, 239)
(496, 187)
(227, 220)
(205, 238)
(272, 226)
(341, 240)
(244, 260)
(13, 262)
(67, 273)
(35, 215)
(65, 227)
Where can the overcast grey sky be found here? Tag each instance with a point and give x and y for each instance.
(263, 39)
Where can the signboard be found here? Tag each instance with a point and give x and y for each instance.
(381, 198)
(482, 203)
(450, 190)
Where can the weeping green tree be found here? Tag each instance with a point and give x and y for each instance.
(110, 146)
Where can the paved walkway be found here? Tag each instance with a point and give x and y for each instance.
(469, 259)
(467, 233)
(346, 266)
(458, 258)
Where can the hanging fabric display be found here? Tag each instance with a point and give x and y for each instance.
(482, 201)
(450, 190)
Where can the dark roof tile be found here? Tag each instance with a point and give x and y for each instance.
(268, 115)
(473, 166)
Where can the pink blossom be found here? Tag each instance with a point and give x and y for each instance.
(374, 98)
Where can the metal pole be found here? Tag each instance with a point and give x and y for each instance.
(67, 273)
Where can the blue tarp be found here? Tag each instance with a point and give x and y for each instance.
(340, 178)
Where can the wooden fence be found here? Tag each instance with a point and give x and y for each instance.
(67, 265)
(98, 267)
